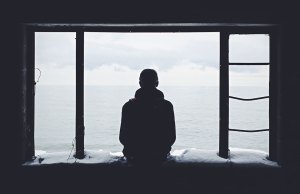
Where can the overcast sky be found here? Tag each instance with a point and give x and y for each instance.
(179, 58)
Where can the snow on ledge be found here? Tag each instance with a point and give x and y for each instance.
(190, 156)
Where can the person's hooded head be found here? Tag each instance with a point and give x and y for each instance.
(148, 79)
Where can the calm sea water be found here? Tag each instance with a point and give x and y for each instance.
(196, 114)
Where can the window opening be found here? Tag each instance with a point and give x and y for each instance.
(188, 70)
(226, 60)
(241, 52)
(55, 91)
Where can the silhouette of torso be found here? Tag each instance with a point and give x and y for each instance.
(147, 126)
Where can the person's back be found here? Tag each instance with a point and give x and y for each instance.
(148, 126)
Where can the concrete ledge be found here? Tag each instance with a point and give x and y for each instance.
(186, 157)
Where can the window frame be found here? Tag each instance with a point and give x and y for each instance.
(28, 75)
(274, 92)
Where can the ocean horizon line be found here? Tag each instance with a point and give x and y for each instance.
(157, 87)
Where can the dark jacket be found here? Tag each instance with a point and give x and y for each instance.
(147, 125)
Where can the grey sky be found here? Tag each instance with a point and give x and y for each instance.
(117, 58)
(140, 50)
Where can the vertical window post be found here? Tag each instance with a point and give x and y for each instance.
(274, 105)
(79, 95)
(30, 90)
(224, 95)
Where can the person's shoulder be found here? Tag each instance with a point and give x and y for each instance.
(129, 103)
(168, 103)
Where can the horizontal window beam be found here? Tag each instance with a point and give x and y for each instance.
(232, 28)
(152, 25)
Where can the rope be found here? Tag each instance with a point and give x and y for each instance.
(71, 150)
(248, 131)
(248, 99)
(39, 75)
(35, 82)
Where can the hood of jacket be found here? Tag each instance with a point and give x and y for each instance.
(149, 94)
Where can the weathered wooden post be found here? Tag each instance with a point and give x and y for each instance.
(274, 92)
(224, 95)
(28, 84)
(79, 95)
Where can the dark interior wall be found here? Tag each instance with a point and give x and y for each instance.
(291, 93)
(151, 12)
(68, 178)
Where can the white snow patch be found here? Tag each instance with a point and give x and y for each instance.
(178, 153)
(248, 157)
(238, 157)
(193, 155)
(117, 154)
(91, 157)
(39, 152)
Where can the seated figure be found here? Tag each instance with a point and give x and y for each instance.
(147, 129)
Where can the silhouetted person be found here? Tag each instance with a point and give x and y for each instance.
(147, 126)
